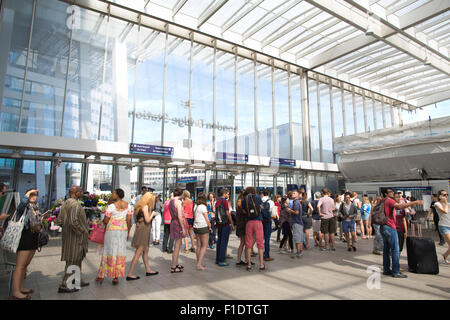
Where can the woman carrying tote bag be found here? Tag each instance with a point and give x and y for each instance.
(28, 212)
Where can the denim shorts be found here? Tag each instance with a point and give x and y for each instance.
(297, 233)
(444, 229)
(365, 216)
(348, 226)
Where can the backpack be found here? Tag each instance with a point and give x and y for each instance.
(266, 213)
(378, 215)
(221, 214)
(254, 211)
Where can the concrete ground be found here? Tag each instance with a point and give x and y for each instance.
(317, 275)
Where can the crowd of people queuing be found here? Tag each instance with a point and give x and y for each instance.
(209, 220)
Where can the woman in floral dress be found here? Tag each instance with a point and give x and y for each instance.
(118, 225)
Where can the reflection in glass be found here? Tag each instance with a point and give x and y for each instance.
(14, 35)
(297, 122)
(225, 103)
(282, 146)
(202, 98)
(337, 110)
(246, 110)
(349, 122)
(264, 100)
(369, 114)
(359, 113)
(325, 113)
(149, 87)
(177, 98)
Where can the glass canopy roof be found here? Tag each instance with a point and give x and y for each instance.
(399, 49)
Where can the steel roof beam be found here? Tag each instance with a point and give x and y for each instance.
(360, 22)
(441, 5)
(229, 23)
(381, 32)
(177, 7)
(257, 28)
(433, 98)
(273, 37)
(210, 11)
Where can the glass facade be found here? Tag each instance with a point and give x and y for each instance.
(93, 77)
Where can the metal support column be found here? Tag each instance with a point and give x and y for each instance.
(291, 129)
(163, 111)
(236, 127)
(50, 183)
(374, 109)
(383, 114)
(255, 103)
(140, 179)
(319, 117)
(164, 193)
(305, 116)
(344, 118)
(365, 111)
(332, 120)
(30, 35)
(355, 119)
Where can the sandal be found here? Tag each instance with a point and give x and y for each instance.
(262, 268)
(99, 280)
(175, 270)
(249, 268)
(30, 291)
(179, 266)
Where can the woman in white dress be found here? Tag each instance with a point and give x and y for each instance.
(118, 225)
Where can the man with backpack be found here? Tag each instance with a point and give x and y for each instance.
(267, 208)
(224, 225)
(252, 208)
(383, 215)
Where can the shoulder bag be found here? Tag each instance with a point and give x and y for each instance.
(11, 238)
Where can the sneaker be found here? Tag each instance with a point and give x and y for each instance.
(399, 275)
(387, 273)
(323, 249)
(223, 264)
(269, 259)
(299, 255)
(333, 249)
(377, 252)
(284, 251)
(211, 247)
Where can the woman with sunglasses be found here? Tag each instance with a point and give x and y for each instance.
(444, 220)
(29, 208)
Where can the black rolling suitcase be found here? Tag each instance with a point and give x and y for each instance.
(422, 257)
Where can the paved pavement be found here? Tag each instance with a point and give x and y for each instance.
(317, 275)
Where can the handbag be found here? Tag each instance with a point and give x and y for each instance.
(98, 235)
(11, 238)
(42, 239)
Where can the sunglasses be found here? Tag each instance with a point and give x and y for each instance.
(444, 195)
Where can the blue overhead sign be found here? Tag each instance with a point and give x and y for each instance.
(223, 156)
(150, 149)
(279, 162)
(187, 179)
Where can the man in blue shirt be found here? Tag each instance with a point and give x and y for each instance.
(297, 224)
